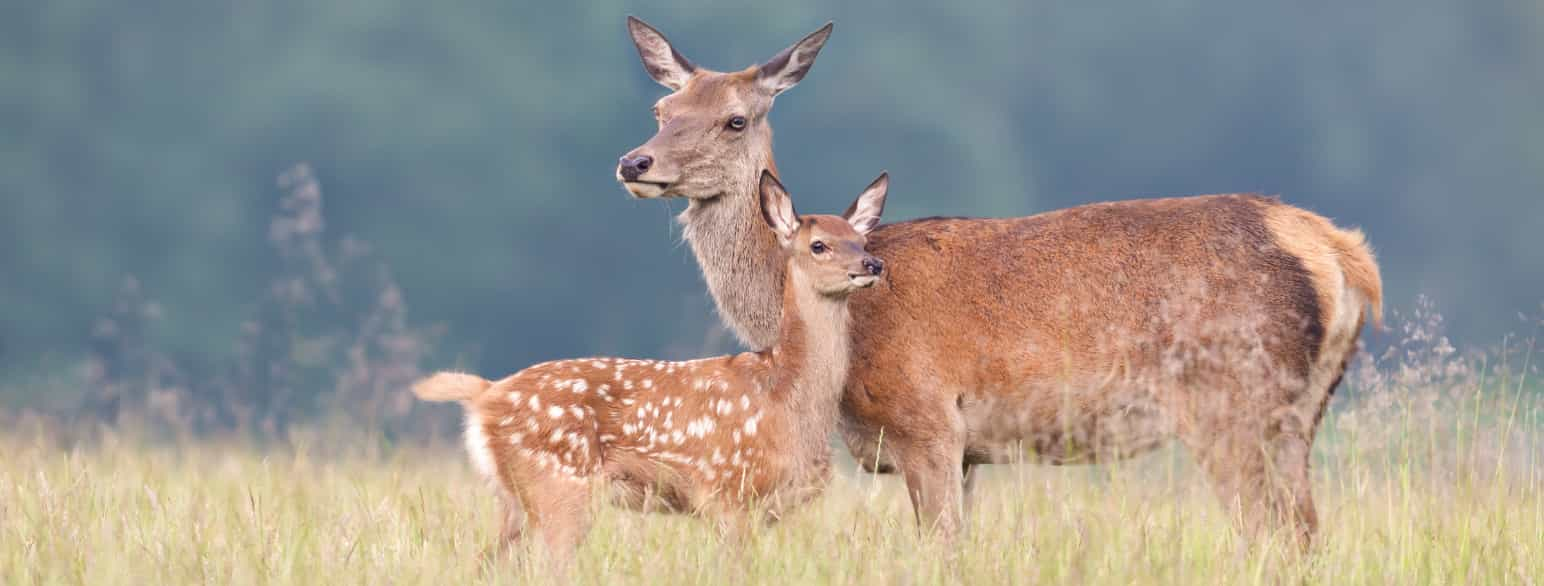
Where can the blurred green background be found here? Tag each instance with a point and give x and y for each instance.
(472, 145)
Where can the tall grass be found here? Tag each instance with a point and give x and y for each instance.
(1428, 472)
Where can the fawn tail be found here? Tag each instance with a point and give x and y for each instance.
(450, 386)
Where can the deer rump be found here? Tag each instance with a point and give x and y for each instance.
(1101, 331)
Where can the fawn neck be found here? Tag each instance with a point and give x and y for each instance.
(740, 257)
(809, 362)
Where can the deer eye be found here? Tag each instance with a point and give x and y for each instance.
(737, 123)
(817, 247)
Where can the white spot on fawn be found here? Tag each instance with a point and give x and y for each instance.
(555, 412)
(700, 427)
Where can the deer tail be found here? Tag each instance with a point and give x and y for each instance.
(450, 386)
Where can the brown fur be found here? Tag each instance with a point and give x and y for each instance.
(1089, 333)
(717, 436)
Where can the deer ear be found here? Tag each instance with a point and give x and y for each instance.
(777, 208)
(785, 69)
(864, 212)
(660, 59)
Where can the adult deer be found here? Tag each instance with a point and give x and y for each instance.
(715, 436)
(1084, 334)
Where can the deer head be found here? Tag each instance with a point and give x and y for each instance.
(827, 250)
(713, 129)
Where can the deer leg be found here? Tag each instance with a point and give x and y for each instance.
(1261, 477)
(511, 524)
(1234, 463)
(1293, 486)
(934, 473)
(968, 488)
(734, 525)
(559, 510)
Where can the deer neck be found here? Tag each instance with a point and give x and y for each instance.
(809, 362)
(739, 256)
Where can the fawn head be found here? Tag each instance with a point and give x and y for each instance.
(828, 250)
(713, 128)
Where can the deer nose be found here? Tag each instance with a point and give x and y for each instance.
(873, 265)
(632, 167)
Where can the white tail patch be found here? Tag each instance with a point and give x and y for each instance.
(477, 448)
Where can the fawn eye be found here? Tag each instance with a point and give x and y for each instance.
(737, 123)
(817, 247)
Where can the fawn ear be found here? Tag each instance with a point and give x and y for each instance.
(777, 208)
(660, 59)
(864, 212)
(788, 66)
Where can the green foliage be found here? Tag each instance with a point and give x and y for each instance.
(472, 145)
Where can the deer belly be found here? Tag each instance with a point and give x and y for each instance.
(644, 484)
(1065, 426)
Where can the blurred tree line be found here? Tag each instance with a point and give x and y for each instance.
(471, 145)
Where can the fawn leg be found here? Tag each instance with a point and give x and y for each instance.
(559, 509)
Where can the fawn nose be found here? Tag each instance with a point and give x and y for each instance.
(633, 167)
(873, 265)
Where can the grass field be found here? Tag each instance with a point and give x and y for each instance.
(1420, 482)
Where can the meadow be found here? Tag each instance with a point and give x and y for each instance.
(1427, 471)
